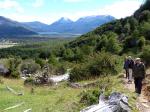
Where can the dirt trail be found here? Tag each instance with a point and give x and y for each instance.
(143, 102)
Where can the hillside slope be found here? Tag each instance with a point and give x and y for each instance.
(12, 28)
(36, 26)
(130, 32)
(102, 51)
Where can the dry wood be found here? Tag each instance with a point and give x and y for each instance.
(13, 91)
(15, 106)
(28, 110)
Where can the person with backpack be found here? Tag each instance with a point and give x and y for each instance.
(138, 74)
(126, 68)
(130, 68)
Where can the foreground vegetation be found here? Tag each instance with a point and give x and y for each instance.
(60, 98)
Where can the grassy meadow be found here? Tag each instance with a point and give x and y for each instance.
(39, 99)
(60, 98)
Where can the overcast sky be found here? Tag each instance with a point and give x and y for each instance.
(48, 11)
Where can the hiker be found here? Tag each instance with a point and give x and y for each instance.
(126, 63)
(130, 67)
(138, 74)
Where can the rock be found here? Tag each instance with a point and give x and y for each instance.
(4, 71)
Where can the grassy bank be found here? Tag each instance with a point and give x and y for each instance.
(41, 99)
(61, 98)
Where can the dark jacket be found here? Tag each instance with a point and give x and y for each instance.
(131, 64)
(139, 70)
(128, 64)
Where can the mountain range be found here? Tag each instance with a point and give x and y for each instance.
(83, 25)
(12, 28)
(65, 25)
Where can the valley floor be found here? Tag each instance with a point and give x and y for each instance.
(7, 45)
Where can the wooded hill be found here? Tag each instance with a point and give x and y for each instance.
(99, 51)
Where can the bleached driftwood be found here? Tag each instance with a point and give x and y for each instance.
(28, 110)
(13, 91)
(15, 106)
(117, 102)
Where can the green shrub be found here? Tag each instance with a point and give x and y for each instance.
(13, 67)
(15, 74)
(45, 54)
(90, 97)
(68, 55)
(29, 81)
(106, 64)
(78, 73)
(30, 66)
(60, 70)
(53, 60)
(145, 30)
(41, 62)
(1, 81)
(141, 42)
(146, 55)
(109, 42)
(99, 65)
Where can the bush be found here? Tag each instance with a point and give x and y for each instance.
(41, 62)
(13, 67)
(53, 60)
(109, 42)
(1, 81)
(15, 74)
(104, 64)
(146, 55)
(141, 42)
(45, 54)
(90, 97)
(60, 70)
(30, 66)
(29, 81)
(145, 30)
(100, 65)
(79, 73)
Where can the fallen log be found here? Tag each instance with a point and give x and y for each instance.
(117, 102)
(13, 91)
(15, 106)
(28, 110)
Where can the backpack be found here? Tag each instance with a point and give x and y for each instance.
(131, 64)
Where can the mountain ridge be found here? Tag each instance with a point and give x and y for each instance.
(66, 25)
(10, 27)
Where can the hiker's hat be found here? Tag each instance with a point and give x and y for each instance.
(129, 57)
(138, 59)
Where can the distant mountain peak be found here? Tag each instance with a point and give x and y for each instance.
(64, 19)
(82, 25)
(66, 25)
